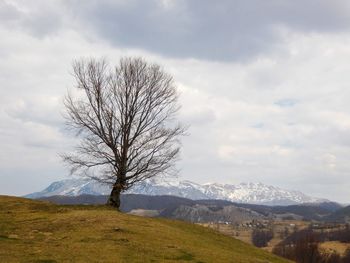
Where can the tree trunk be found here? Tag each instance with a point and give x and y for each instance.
(114, 197)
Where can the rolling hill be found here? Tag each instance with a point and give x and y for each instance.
(36, 231)
(206, 210)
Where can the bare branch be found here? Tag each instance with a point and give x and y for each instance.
(125, 120)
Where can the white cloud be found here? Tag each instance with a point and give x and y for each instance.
(281, 117)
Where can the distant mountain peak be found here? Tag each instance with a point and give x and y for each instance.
(247, 192)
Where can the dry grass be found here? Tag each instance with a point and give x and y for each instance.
(33, 231)
(279, 227)
(334, 246)
(245, 233)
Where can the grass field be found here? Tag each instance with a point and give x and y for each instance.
(245, 234)
(335, 246)
(34, 231)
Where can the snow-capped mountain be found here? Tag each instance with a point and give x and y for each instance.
(72, 187)
(254, 193)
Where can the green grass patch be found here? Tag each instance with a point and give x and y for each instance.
(185, 256)
(43, 232)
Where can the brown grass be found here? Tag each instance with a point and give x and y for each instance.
(334, 246)
(33, 231)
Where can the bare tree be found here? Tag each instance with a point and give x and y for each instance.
(125, 117)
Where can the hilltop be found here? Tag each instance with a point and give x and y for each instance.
(37, 231)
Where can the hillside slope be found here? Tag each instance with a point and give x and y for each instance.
(36, 231)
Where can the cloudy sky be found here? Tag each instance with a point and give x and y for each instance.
(265, 85)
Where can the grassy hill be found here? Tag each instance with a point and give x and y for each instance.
(36, 231)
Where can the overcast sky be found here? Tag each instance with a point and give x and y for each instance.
(265, 85)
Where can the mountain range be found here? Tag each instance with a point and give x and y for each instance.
(250, 193)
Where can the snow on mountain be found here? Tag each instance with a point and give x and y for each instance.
(72, 187)
(254, 193)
